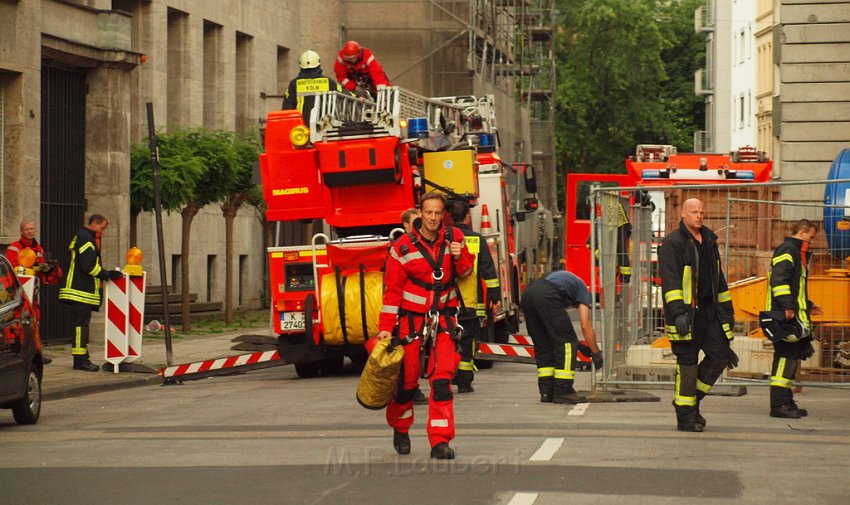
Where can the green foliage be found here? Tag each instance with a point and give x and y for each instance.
(625, 77)
(179, 170)
(196, 165)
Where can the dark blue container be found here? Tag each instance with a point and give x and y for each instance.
(838, 194)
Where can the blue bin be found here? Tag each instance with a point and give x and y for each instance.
(838, 194)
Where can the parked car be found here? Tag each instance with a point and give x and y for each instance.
(21, 364)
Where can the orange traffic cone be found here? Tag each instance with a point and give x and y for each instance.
(485, 220)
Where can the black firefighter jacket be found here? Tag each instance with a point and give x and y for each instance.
(678, 261)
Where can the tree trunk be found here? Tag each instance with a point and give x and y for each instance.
(188, 213)
(229, 211)
(134, 226)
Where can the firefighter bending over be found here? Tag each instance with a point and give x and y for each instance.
(544, 303)
(698, 312)
(421, 297)
(358, 71)
(309, 82)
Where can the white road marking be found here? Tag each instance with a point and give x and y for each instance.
(578, 410)
(523, 499)
(547, 450)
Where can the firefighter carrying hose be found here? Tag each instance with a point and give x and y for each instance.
(421, 297)
(358, 71)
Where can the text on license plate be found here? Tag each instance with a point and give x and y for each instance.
(291, 320)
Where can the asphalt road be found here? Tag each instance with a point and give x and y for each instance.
(267, 437)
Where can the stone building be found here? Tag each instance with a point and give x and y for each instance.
(75, 77)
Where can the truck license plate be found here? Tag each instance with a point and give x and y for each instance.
(291, 320)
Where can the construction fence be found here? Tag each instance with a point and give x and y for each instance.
(751, 220)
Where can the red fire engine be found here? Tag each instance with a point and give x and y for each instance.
(357, 168)
(653, 166)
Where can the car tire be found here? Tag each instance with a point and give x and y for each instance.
(308, 370)
(28, 409)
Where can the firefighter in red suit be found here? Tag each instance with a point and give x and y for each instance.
(357, 69)
(422, 270)
(49, 273)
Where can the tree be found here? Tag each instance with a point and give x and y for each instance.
(625, 77)
(217, 150)
(239, 190)
(179, 170)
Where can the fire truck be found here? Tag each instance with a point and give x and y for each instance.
(356, 167)
(653, 167)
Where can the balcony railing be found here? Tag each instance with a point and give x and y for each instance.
(704, 18)
(704, 82)
(703, 141)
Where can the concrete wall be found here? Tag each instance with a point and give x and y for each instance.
(20, 66)
(814, 90)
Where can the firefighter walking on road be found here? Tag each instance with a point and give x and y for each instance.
(472, 293)
(788, 280)
(544, 304)
(698, 312)
(421, 297)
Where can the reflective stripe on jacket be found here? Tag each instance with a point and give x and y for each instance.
(788, 280)
(678, 262)
(406, 262)
(83, 282)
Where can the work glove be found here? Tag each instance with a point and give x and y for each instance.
(597, 360)
(114, 275)
(733, 360)
(682, 325)
(807, 350)
(584, 349)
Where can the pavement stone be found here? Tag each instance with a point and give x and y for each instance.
(62, 381)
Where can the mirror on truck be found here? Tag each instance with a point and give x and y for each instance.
(530, 181)
(531, 204)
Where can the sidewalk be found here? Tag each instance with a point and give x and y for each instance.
(62, 381)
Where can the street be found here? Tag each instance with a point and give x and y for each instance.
(267, 437)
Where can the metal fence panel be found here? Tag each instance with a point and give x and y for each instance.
(751, 220)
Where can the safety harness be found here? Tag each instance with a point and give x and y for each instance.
(427, 333)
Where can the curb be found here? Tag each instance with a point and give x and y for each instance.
(87, 389)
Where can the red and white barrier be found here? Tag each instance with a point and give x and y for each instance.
(125, 309)
(520, 340)
(510, 350)
(135, 316)
(28, 285)
(220, 366)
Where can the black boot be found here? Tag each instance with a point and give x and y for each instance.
(803, 412)
(83, 363)
(401, 442)
(686, 419)
(786, 411)
(442, 451)
(419, 398)
(545, 397)
(700, 419)
(569, 398)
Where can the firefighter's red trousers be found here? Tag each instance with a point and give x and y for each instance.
(442, 364)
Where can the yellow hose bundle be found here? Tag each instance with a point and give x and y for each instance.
(380, 375)
(353, 310)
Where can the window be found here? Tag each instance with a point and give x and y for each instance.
(210, 277)
(741, 111)
(741, 46)
(212, 75)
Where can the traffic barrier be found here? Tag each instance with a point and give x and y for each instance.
(135, 316)
(115, 327)
(221, 366)
(505, 352)
(125, 309)
(28, 285)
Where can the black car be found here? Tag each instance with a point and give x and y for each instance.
(20, 350)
